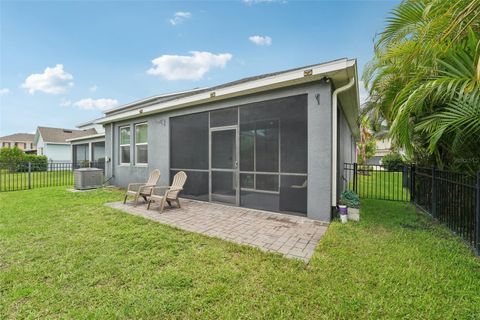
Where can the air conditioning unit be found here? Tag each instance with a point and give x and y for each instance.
(88, 178)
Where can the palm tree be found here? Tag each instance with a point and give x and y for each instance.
(367, 144)
(424, 80)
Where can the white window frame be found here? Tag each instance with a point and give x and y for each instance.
(120, 145)
(140, 144)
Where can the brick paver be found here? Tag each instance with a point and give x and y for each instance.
(293, 236)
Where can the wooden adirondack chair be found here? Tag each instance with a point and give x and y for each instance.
(143, 190)
(168, 194)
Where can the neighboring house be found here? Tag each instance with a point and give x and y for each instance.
(274, 142)
(384, 147)
(89, 150)
(23, 141)
(52, 142)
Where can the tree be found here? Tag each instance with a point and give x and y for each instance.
(424, 80)
(367, 144)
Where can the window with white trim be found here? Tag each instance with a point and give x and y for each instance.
(141, 143)
(125, 145)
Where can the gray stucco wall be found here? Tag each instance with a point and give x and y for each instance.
(345, 149)
(319, 143)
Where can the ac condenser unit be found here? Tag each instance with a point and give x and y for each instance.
(88, 178)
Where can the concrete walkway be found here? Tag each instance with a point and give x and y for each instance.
(292, 236)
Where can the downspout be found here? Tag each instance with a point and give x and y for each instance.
(334, 137)
(112, 147)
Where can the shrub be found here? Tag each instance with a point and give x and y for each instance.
(9, 156)
(38, 163)
(15, 160)
(393, 162)
(350, 199)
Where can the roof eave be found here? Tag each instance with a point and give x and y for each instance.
(255, 86)
(92, 136)
(59, 143)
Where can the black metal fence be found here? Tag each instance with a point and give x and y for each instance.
(27, 175)
(378, 181)
(452, 198)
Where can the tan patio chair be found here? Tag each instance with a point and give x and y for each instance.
(143, 190)
(169, 194)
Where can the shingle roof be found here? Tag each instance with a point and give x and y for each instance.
(18, 137)
(169, 97)
(60, 135)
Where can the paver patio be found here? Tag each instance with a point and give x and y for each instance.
(292, 236)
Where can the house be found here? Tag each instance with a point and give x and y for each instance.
(52, 142)
(23, 141)
(383, 147)
(274, 142)
(89, 149)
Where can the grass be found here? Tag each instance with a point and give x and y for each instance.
(66, 255)
(383, 185)
(13, 181)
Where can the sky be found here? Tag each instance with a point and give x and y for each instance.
(63, 63)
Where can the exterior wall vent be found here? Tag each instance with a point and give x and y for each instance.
(307, 72)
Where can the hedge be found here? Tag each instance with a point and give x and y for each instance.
(15, 160)
(393, 162)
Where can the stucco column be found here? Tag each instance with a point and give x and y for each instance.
(319, 152)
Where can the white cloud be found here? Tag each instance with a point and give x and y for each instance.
(363, 93)
(4, 91)
(193, 67)
(99, 104)
(261, 40)
(179, 16)
(93, 88)
(53, 80)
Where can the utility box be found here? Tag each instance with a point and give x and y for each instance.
(87, 178)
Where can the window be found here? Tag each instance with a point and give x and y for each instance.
(80, 155)
(98, 151)
(272, 139)
(124, 145)
(224, 117)
(189, 152)
(273, 154)
(189, 142)
(141, 143)
(98, 154)
(259, 152)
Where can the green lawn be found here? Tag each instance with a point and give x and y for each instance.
(381, 185)
(12, 181)
(66, 255)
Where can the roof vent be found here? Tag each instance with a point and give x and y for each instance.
(307, 72)
(67, 131)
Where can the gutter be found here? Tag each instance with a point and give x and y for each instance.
(334, 137)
